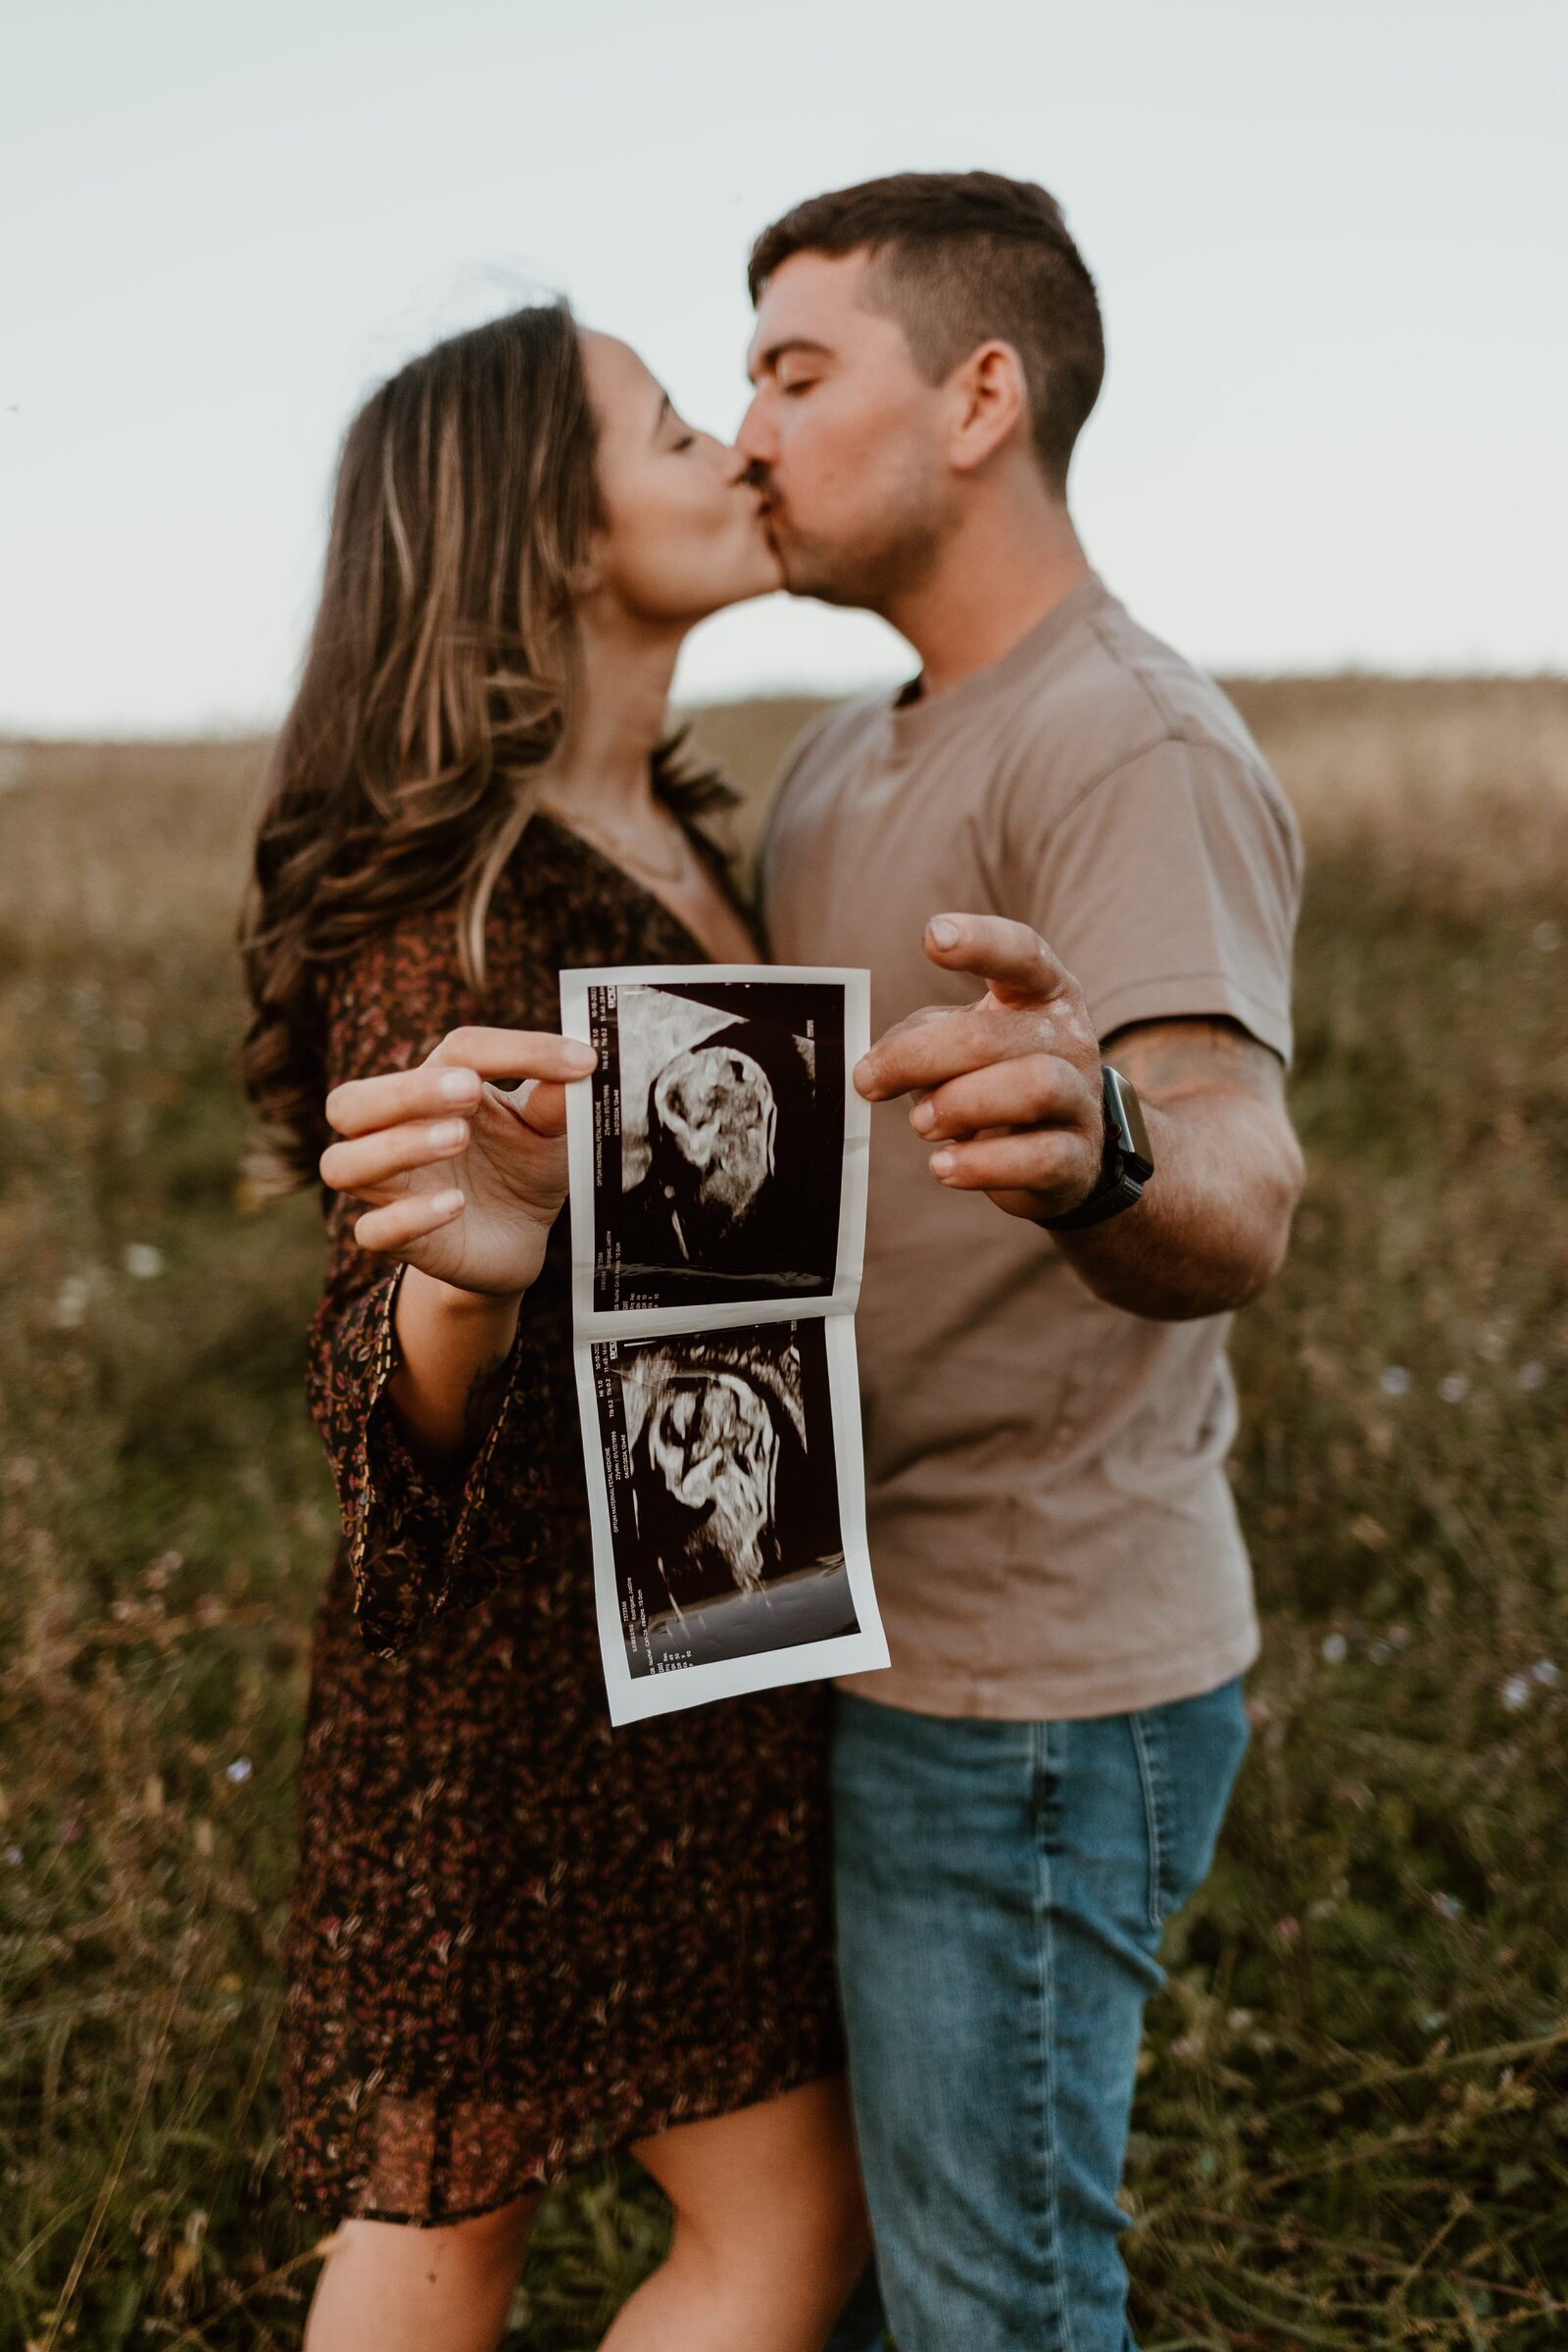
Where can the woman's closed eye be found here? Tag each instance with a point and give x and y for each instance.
(672, 431)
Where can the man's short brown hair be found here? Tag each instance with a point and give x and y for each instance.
(959, 257)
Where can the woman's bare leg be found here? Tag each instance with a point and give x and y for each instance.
(387, 2289)
(770, 2231)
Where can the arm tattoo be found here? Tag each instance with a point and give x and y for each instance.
(1167, 1060)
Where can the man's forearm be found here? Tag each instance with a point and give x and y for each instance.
(1008, 1093)
(1212, 1226)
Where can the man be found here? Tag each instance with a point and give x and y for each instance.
(1038, 1783)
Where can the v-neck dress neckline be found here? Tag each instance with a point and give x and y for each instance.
(703, 849)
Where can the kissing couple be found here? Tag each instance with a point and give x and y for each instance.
(846, 1969)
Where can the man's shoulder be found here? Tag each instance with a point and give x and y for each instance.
(1113, 694)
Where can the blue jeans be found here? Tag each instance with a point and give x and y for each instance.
(1002, 1890)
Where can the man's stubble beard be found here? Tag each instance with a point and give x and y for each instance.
(870, 572)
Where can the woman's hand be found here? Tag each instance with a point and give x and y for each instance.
(463, 1181)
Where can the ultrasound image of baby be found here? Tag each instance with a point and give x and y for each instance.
(716, 1448)
(708, 1438)
(716, 1109)
(729, 1162)
(724, 1510)
(709, 1198)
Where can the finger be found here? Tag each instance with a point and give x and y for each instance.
(1048, 1160)
(365, 1105)
(357, 1166)
(515, 1054)
(919, 1056)
(1033, 1091)
(445, 1082)
(1013, 959)
(402, 1223)
(868, 1070)
(540, 1106)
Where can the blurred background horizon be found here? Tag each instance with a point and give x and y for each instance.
(1329, 250)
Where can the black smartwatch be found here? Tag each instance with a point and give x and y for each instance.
(1126, 1163)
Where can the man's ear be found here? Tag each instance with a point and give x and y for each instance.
(992, 404)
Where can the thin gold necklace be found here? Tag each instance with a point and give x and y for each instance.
(620, 848)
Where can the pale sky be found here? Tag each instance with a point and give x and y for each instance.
(1331, 241)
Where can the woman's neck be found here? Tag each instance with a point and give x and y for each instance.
(623, 707)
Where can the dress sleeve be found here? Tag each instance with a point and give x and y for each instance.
(414, 1539)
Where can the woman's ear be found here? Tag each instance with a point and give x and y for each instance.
(587, 575)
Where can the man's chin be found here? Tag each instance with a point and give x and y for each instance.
(806, 572)
(864, 575)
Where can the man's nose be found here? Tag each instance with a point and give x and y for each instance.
(755, 443)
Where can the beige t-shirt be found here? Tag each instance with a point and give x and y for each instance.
(1052, 1527)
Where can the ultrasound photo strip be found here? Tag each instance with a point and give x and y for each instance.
(718, 1162)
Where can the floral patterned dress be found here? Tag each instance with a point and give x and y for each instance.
(518, 1938)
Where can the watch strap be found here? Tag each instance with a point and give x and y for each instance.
(1126, 1163)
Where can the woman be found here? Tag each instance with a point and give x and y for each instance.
(518, 1938)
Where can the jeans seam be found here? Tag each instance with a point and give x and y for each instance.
(1045, 2022)
(1154, 1815)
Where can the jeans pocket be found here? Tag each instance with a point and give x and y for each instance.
(1189, 1753)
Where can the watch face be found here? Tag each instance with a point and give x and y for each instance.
(1122, 1101)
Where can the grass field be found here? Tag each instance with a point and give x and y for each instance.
(1352, 2127)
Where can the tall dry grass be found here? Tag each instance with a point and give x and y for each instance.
(1353, 2125)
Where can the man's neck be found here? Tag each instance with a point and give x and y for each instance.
(999, 575)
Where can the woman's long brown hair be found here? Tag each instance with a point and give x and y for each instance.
(440, 678)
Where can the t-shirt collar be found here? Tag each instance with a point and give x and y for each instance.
(916, 719)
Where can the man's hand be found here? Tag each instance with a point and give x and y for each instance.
(1007, 1088)
(1008, 1092)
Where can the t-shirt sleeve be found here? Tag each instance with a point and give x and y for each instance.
(1168, 887)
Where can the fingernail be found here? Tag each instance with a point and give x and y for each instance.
(942, 933)
(943, 1163)
(582, 1057)
(447, 1134)
(923, 1115)
(862, 1075)
(458, 1086)
(447, 1204)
